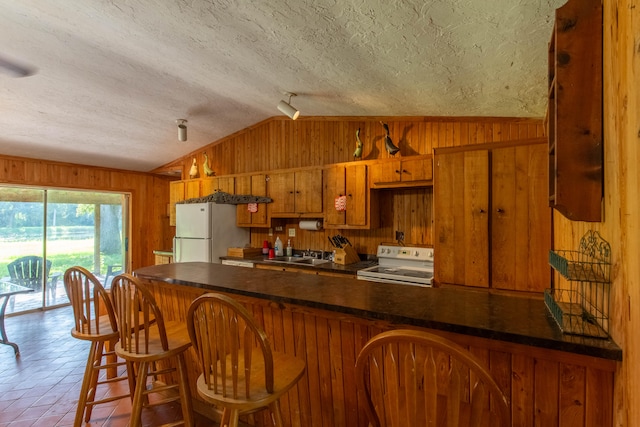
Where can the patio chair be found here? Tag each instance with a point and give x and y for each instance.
(27, 271)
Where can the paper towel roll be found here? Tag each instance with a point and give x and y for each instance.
(310, 225)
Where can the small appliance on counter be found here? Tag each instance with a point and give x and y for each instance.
(406, 265)
(204, 231)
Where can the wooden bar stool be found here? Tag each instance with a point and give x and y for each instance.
(149, 342)
(95, 321)
(241, 374)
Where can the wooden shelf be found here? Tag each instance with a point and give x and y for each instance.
(574, 126)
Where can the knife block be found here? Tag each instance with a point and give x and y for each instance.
(346, 255)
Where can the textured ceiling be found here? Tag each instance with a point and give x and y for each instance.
(111, 77)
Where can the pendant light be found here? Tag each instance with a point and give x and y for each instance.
(182, 130)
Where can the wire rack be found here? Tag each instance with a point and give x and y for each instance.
(583, 308)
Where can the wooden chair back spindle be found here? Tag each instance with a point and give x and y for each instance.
(415, 378)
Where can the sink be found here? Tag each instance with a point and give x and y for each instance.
(312, 261)
(291, 259)
(297, 260)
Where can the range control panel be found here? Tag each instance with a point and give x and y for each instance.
(405, 253)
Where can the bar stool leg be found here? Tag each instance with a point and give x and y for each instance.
(87, 383)
(185, 393)
(138, 397)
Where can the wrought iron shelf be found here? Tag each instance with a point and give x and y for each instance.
(583, 308)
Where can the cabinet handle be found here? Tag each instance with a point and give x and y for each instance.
(398, 172)
(500, 210)
(483, 211)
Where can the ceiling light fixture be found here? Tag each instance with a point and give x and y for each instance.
(182, 130)
(286, 108)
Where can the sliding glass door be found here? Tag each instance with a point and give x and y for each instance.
(45, 231)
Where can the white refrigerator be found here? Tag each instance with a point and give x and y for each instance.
(204, 231)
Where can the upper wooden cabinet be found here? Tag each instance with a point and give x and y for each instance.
(254, 185)
(574, 125)
(295, 193)
(179, 191)
(412, 171)
(492, 222)
(221, 183)
(351, 182)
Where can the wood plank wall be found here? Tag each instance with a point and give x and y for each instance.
(149, 197)
(621, 224)
(280, 143)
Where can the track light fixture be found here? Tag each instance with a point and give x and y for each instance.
(286, 108)
(182, 129)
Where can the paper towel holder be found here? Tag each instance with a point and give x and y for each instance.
(315, 224)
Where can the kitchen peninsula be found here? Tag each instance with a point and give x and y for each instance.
(327, 320)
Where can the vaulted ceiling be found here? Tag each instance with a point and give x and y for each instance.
(106, 80)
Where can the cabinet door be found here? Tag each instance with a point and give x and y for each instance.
(384, 173)
(350, 181)
(281, 191)
(416, 170)
(208, 186)
(334, 186)
(192, 189)
(476, 208)
(259, 188)
(520, 218)
(357, 194)
(308, 191)
(461, 198)
(226, 184)
(243, 216)
(254, 185)
(176, 194)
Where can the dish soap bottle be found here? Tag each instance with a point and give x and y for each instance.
(289, 248)
(278, 246)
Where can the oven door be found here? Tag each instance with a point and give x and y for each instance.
(413, 277)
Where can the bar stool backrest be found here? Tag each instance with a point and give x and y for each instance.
(139, 318)
(89, 301)
(415, 378)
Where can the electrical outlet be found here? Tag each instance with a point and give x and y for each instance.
(399, 236)
(278, 228)
(292, 232)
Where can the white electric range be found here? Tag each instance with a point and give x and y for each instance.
(407, 265)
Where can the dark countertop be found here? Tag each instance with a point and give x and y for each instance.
(514, 319)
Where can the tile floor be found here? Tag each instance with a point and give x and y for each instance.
(41, 387)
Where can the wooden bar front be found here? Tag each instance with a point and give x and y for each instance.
(546, 387)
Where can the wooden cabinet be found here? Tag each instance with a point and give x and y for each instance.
(361, 205)
(413, 171)
(492, 222)
(163, 259)
(255, 185)
(295, 193)
(574, 126)
(179, 191)
(219, 183)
